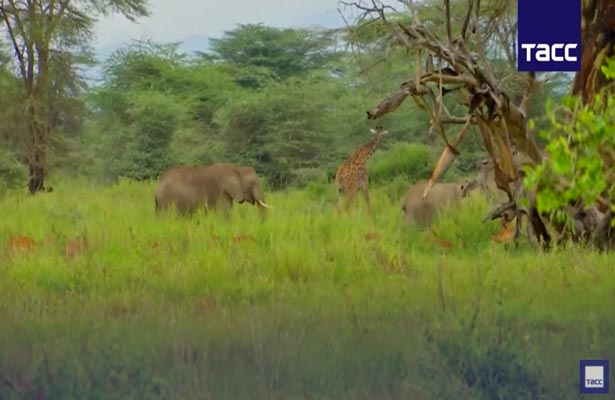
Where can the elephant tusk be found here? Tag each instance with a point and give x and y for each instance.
(262, 203)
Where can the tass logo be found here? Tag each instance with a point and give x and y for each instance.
(548, 40)
(594, 376)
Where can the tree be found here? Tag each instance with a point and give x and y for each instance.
(460, 61)
(289, 130)
(41, 32)
(597, 44)
(286, 52)
(160, 104)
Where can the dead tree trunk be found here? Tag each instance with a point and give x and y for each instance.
(464, 69)
(597, 44)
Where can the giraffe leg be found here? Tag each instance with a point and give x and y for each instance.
(350, 197)
(339, 201)
(364, 187)
(366, 197)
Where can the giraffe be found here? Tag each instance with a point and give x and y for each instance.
(351, 176)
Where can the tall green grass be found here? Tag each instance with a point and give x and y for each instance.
(306, 304)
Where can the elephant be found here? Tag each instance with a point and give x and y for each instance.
(485, 177)
(422, 210)
(212, 186)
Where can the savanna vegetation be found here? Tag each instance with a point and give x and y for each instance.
(101, 298)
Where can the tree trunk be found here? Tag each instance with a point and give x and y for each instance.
(597, 44)
(36, 183)
(38, 131)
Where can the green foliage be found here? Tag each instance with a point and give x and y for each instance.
(580, 142)
(412, 161)
(51, 43)
(396, 188)
(286, 52)
(159, 106)
(285, 101)
(156, 118)
(160, 67)
(13, 174)
(141, 147)
(166, 307)
(291, 126)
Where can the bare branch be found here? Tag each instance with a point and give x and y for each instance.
(18, 51)
(447, 7)
(469, 73)
(530, 80)
(448, 156)
(455, 120)
(393, 102)
(466, 20)
(442, 78)
(417, 72)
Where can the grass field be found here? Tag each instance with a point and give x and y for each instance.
(304, 305)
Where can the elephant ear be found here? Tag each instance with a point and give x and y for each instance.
(247, 177)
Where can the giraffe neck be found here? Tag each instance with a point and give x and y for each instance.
(370, 148)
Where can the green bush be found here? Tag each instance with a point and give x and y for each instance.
(304, 176)
(397, 188)
(12, 173)
(411, 160)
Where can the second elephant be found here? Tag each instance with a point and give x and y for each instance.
(422, 210)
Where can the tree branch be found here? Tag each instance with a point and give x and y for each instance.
(466, 20)
(14, 43)
(447, 7)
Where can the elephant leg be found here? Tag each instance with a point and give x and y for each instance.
(225, 204)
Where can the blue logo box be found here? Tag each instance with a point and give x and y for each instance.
(549, 41)
(594, 377)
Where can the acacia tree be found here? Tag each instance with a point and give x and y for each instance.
(456, 56)
(40, 33)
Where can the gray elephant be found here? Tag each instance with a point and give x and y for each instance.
(214, 186)
(422, 210)
(485, 177)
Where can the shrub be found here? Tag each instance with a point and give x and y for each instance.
(12, 173)
(411, 160)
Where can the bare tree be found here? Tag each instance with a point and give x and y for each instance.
(457, 61)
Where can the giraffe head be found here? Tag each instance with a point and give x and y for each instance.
(379, 131)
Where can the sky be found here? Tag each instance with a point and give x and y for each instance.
(194, 21)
